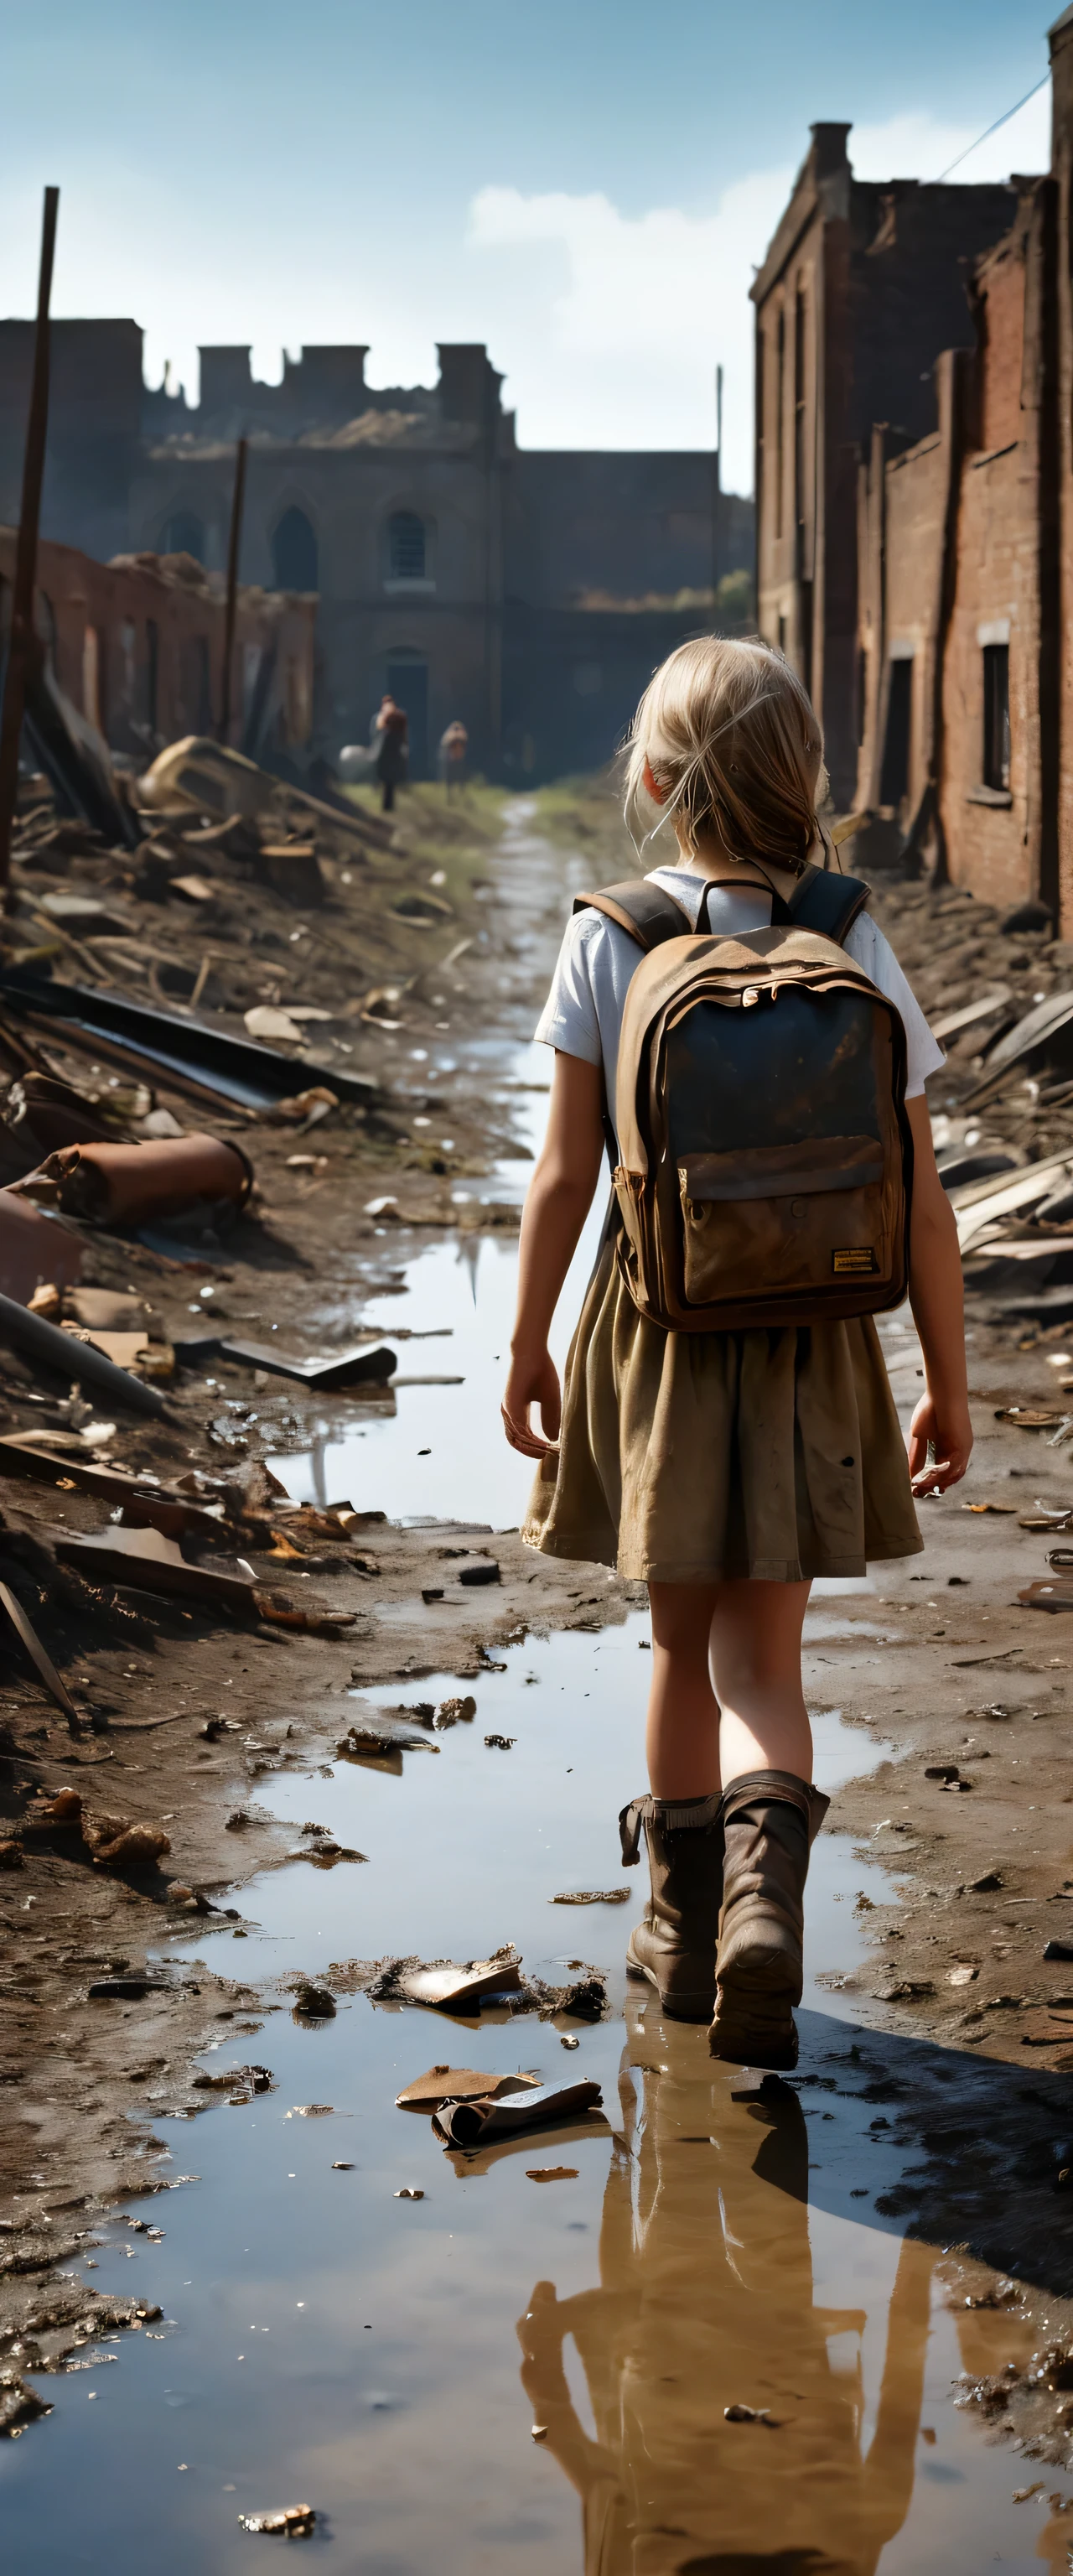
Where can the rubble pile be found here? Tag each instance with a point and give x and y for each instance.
(998, 993)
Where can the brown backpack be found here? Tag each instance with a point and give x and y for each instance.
(765, 1158)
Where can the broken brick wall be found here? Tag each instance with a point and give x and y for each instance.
(993, 822)
(137, 645)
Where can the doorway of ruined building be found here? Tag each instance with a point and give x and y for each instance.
(407, 682)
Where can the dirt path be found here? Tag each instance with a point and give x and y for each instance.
(223, 1733)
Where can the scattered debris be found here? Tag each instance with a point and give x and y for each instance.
(750, 2415)
(486, 1572)
(312, 2003)
(1047, 1596)
(445, 1984)
(19, 2405)
(501, 1743)
(337, 1369)
(151, 1562)
(408, 2192)
(454, 1712)
(24, 1628)
(44, 1342)
(551, 2173)
(466, 2124)
(594, 1896)
(130, 1185)
(457, 2084)
(295, 2522)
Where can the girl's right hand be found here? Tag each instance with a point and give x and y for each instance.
(948, 1434)
(532, 1381)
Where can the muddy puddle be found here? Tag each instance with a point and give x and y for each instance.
(713, 2247)
(508, 2373)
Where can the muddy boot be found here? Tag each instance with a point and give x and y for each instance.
(674, 1944)
(770, 1821)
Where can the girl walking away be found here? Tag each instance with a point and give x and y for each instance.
(742, 1030)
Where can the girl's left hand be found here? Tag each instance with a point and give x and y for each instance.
(534, 1381)
(950, 1435)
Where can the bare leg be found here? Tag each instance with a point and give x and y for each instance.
(756, 1671)
(726, 1695)
(683, 1712)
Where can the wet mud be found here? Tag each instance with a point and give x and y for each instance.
(822, 2324)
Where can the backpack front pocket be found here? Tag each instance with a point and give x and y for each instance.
(808, 1218)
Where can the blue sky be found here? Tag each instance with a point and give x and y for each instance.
(583, 184)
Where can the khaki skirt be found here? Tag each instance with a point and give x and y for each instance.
(693, 1457)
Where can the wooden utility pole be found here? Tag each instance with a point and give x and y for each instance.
(234, 544)
(22, 602)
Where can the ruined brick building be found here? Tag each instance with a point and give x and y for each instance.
(528, 593)
(915, 500)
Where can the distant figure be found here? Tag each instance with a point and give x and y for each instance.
(454, 745)
(393, 754)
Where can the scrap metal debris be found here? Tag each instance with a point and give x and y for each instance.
(469, 2123)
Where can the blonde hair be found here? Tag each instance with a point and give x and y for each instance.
(734, 745)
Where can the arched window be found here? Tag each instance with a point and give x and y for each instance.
(406, 546)
(295, 564)
(184, 535)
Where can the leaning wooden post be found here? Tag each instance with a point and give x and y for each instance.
(234, 543)
(22, 603)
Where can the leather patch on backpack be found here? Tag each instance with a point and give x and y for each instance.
(854, 1261)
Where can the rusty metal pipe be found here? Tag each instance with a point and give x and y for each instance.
(118, 1184)
(76, 1360)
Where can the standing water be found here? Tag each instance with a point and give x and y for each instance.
(515, 2372)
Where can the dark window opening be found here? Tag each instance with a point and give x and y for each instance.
(780, 396)
(800, 425)
(295, 564)
(996, 715)
(406, 546)
(782, 634)
(184, 535)
(894, 777)
(761, 425)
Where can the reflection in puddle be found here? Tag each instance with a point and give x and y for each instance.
(727, 2403)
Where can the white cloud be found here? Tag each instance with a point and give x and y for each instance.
(610, 325)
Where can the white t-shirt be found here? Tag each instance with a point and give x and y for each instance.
(583, 1012)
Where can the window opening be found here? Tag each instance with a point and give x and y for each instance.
(406, 546)
(800, 425)
(894, 777)
(780, 392)
(295, 557)
(996, 715)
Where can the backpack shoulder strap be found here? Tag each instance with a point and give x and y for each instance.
(825, 902)
(642, 909)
